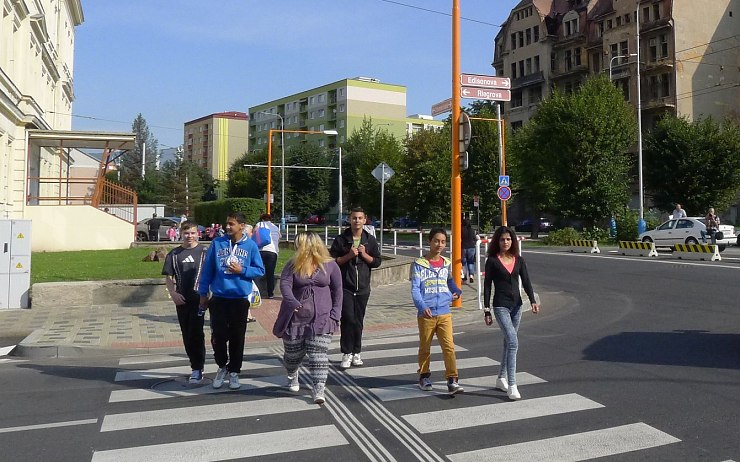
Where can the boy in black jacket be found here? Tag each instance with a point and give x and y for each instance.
(356, 252)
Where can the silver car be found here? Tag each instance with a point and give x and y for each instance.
(686, 231)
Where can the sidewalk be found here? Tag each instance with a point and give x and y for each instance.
(152, 327)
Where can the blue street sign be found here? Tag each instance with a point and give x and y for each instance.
(503, 180)
(504, 193)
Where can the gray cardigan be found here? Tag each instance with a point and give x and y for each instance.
(325, 287)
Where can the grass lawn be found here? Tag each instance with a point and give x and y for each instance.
(95, 265)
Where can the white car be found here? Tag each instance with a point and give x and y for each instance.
(686, 231)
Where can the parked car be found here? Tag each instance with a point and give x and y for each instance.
(404, 222)
(142, 228)
(528, 223)
(315, 220)
(290, 218)
(686, 231)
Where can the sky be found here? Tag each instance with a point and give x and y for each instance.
(177, 60)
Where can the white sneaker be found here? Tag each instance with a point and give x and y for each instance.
(513, 393)
(293, 383)
(502, 384)
(234, 380)
(220, 376)
(425, 384)
(318, 393)
(357, 360)
(346, 361)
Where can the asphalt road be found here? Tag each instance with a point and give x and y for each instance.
(630, 359)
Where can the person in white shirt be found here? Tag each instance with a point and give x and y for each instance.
(269, 252)
(678, 212)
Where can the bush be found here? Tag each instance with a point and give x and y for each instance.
(596, 234)
(217, 211)
(561, 236)
(627, 223)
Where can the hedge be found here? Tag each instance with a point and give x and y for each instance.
(217, 211)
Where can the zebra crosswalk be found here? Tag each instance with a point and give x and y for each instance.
(153, 407)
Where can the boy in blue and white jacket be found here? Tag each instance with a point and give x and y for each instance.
(433, 290)
(231, 263)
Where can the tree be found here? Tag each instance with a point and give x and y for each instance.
(130, 163)
(572, 158)
(696, 164)
(364, 150)
(309, 190)
(183, 185)
(248, 181)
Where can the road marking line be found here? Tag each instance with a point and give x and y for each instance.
(384, 341)
(411, 390)
(211, 412)
(579, 446)
(69, 423)
(5, 350)
(158, 358)
(430, 422)
(176, 371)
(647, 260)
(411, 368)
(398, 352)
(231, 447)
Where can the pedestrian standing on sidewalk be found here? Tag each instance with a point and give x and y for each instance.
(182, 267)
(172, 233)
(469, 239)
(268, 251)
(356, 252)
(433, 290)
(504, 267)
(231, 263)
(311, 288)
(153, 225)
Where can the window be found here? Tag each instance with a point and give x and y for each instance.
(571, 27)
(513, 70)
(608, 24)
(614, 48)
(341, 124)
(646, 14)
(516, 125)
(553, 61)
(536, 31)
(568, 60)
(516, 98)
(528, 35)
(624, 51)
(312, 100)
(656, 11)
(528, 66)
(521, 39)
(521, 69)
(682, 224)
(624, 85)
(535, 94)
(311, 115)
(577, 56)
(341, 108)
(321, 98)
(596, 62)
(663, 46)
(653, 49)
(321, 113)
(627, 18)
(665, 84)
(619, 21)
(341, 92)
(600, 29)
(537, 63)
(513, 41)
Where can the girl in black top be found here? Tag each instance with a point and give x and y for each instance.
(504, 267)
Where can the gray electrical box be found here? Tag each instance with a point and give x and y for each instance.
(15, 263)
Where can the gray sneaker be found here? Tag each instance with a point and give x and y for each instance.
(234, 380)
(425, 383)
(318, 393)
(220, 376)
(293, 384)
(196, 377)
(453, 387)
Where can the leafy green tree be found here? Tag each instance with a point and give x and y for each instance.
(696, 164)
(248, 181)
(572, 158)
(425, 176)
(183, 185)
(130, 163)
(363, 151)
(308, 190)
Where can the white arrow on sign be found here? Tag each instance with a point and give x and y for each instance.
(483, 93)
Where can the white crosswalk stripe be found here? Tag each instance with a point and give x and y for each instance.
(389, 357)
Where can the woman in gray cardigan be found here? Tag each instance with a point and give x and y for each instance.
(311, 286)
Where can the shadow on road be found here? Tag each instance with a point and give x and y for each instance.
(678, 348)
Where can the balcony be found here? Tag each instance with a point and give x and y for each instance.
(527, 80)
(572, 71)
(652, 26)
(660, 65)
(658, 103)
(564, 42)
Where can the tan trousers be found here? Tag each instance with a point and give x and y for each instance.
(442, 327)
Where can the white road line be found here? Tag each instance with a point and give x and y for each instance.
(579, 446)
(232, 447)
(429, 422)
(398, 352)
(645, 260)
(5, 350)
(411, 390)
(411, 368)
(182, 389)
(186, 415)
(69, 423)
(172, 372)
(384, 341)
(156, 358)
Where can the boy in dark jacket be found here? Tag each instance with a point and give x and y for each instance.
(356, 252)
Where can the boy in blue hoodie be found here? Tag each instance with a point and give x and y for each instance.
(433, 289)
(232, 262)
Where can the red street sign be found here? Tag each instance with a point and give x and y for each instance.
(504, 193)
(484, 81)
(442, 107)
(482, 93)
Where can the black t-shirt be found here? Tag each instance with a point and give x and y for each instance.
(184, 265)
(154, 224)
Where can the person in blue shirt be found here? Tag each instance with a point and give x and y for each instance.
(433, 289)
(232, 262)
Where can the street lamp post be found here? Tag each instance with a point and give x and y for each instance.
(339, 220)
(269, 154)
(282, 174)
(641, 223)
(611, 61)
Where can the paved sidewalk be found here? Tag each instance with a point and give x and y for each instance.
(153, 327)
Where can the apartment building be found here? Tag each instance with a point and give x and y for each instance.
(688, 53)
(215, 141)
(341, 106)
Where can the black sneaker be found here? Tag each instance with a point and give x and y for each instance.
(453, 387)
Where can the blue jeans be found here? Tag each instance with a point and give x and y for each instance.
(508, 320)
(468, 260)
(711, 233)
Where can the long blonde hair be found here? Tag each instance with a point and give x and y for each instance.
(310, 253)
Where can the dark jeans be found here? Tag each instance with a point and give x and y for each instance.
(191, 326)
(228, 328)
(154, 234)
(269, 259)
(353, 316)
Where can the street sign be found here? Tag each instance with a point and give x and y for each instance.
(442, 107)
(476, 201)
(485, 81)
(482, 93)
(504, 193)
(383, 172)
(503, 180)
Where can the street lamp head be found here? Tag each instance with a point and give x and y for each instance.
(331, 132)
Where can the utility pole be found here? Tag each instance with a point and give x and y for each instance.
(456, 206)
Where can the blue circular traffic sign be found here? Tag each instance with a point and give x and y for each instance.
(504, 193)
